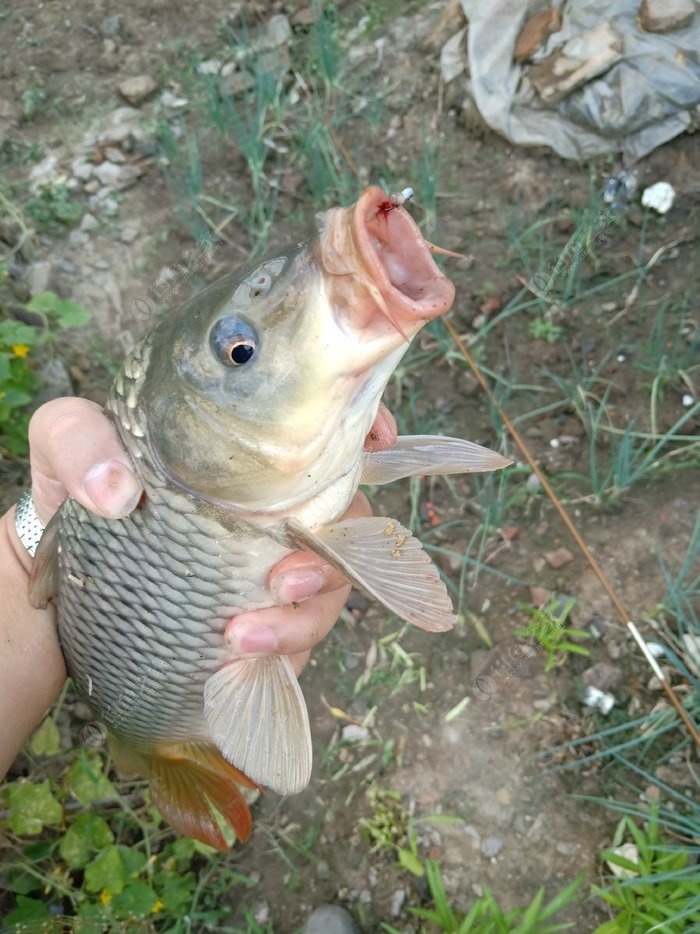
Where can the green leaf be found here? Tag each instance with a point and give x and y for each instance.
(134, 860)
(70, 315)
(176, 892)
(409, 860)
(65, 313)
(106, 872)
(88, 833)
(31, 806)
(138, 900)
(28, 910)
(46, 740)
(15, 332)
(88, 782)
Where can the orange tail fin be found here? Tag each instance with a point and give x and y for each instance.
(186, 780)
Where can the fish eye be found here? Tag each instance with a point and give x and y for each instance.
(233, 341)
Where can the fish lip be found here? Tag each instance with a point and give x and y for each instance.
(397, 260)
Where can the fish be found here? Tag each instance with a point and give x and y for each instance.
(245, 412)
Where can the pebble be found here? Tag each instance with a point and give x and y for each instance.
(67, 266)
(533, 482)
(323, 869)
(598, 700)
(629, 852)
(558, 558)
(330, 919)
(491, 847)
(129, 233)
(666, 15)
(38, 276)
(659, 197)
(566, 849)
(354, 733)
(504, 797)
(138, 89)
(107, 173)
(89, 222)
(397, 902)
(82, 168)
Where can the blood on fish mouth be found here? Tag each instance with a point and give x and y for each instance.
(398, 261)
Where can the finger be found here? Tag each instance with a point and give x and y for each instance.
(302, 573)
(383, 432)
(286, 630)
(299, 662)
(75, 451)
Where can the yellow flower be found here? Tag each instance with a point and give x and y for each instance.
(20, 350)
(105, 897)
(158, 905)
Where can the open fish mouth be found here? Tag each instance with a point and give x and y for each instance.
(394, 278)
(398, 259)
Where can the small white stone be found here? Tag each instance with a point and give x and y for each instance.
(687, 400)
(554, 443)
(659, 197)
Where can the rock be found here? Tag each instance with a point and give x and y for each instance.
(129, 232)
(659, 197)
(44, 172)
(534, 34)
(108, 173)
(504, 797)
(666, 15)
(539, 596)
(629, 852)
(323, 870)
(112, 27)
(81, 168)
(397, 902)
(38, 276)
(453, 56)
(278, 29)
(114, 154)
(603, 676)
(353, 733)
(598, 700)
(558, 558)
(491, 847)
(92, 187)
(329, 919)
(168, 99)
(138, 89)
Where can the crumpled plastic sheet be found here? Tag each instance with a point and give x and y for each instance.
(651, 95)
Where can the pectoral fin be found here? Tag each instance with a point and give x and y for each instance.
(426, 455)
(383, 559)
(43, 577)
(257, 717)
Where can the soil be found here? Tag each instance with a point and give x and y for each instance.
(520, 825)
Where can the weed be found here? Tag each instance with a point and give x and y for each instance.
(52, 208)
(22, 347)
(546, 626)
(108, 868)
(655, 884)
(542, 328)
(486, 916)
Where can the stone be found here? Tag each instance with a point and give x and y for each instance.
(535, 33)
(108, 173)
(114, 154)
(491, 847)
(397, 901)
(138, 89)
(558, 558)
(112, 27)
(329, 919)
(603, 676)
(38, 276)
(81, 168)
(666, 15)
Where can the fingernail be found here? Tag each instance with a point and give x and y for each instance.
(295, 586)
(113, 489)
(251, 640)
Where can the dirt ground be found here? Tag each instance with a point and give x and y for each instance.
(520, 825)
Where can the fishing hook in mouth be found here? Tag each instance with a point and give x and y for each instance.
(401, 197)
